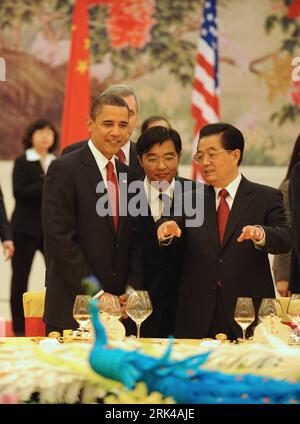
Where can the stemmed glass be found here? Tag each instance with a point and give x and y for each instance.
(244, 313)
(110, 304)
(293, 310)
(269, 307)
(139, 307)
(81, 312)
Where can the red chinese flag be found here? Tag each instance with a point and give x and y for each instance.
(77, 94)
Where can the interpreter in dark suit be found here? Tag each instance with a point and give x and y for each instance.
(82, 237)
(127, 154)
(282, 263)
(5, 231)
(294, 190)
(159, 152)
(40, 140)
(227, 256)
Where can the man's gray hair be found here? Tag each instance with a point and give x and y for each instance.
(123, 91)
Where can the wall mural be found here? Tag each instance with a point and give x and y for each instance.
(151, 45)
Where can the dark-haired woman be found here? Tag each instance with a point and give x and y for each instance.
(282, 263)
(39, 141)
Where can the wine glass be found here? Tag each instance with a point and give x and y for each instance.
(269, 307)
(139, 307)
(110, 304)
(81, 312)
(244, 313)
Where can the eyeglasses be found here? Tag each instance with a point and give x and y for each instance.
(199, 157)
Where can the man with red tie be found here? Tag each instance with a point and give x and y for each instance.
(127, 154)
(227, 256)
(79, 240)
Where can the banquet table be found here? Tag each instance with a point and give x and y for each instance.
(43, 370)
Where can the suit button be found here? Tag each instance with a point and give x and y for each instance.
(220, 261)
(114, 274)
(213, 287)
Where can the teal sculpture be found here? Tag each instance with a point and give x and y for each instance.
(186, 381)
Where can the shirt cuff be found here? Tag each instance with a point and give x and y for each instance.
(262, 242)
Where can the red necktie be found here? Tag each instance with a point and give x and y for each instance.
(113, 192)
(223, 213)
(121, 156)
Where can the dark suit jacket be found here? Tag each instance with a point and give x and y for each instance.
(28, 180)
(161, 275)
(294, 187)
(5, 231)
(242, 269)
(78, 242)
(133, 159)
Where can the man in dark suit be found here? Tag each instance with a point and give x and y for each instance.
(5, 231)
(127, 154)
(159, 151)
(294, 192)
(81, 238)
(227, 256)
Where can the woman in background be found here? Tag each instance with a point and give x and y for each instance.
(282, 263)
(40, 140)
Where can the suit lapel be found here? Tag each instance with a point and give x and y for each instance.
(240, 205)
(210, 217)
(94, 176)
(123, 185)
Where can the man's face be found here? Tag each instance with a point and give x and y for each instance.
(109, 130)
(133, 114)
(160, 163)
(218, 166)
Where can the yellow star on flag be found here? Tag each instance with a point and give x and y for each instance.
(73, 27)
(87, 43)
(82, 66)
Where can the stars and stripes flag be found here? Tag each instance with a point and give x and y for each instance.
(205, 94)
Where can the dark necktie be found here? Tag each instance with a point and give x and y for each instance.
(223, 213)
(113, 192)
(121, 156)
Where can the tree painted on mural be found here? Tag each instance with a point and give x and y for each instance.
(129, 39)
(286, 16)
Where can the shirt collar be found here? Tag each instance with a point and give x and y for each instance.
(155, 192)
(32, 155)
(126, 150)
(231, 188)
(101, 160)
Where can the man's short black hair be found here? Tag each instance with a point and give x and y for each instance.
(157, 135)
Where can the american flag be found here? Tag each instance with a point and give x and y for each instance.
(205, 94)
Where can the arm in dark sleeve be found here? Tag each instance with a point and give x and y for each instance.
(295, 206)
(25, 189)
(282, 262)
(59, 225)
(279, 236)
(5, 231)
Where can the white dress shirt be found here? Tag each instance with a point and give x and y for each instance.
(156, 205)
(101, 161)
